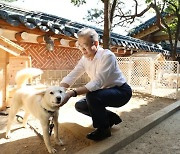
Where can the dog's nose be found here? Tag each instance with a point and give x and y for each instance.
(58, 99)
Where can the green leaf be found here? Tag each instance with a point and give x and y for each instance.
(78, 2)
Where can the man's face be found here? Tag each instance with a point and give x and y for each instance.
(87, 47)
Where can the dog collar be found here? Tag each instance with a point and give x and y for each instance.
(50, 112)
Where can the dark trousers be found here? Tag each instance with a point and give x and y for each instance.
(95, 103)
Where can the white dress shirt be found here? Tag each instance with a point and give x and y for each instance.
(103, 71)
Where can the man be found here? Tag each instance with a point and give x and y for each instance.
(107, 86)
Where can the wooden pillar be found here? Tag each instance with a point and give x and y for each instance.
(1, 84)
(6, 47)
(6, 80)
(3, 75)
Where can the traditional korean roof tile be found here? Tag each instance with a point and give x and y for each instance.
(167, 46)
(58, 25)
(145, 25)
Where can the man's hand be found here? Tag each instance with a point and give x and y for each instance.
(68, 95)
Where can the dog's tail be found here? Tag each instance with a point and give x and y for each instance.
(23, 75)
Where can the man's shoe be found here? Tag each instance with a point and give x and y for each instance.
(99, 134)
(115, 121)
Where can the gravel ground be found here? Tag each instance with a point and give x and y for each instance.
(74, 126)
(162, 139)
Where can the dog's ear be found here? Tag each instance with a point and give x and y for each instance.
(63, 88)
(42, 92)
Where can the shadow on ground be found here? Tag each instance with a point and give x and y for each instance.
(74, 126)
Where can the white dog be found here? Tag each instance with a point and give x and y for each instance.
(43, 104)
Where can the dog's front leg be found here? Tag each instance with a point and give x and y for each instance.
(25, 120)
(46, 136)
(56, 134)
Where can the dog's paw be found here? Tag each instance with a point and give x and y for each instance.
(52, 150)
(26, 126)
(59, 142)
(8, 135)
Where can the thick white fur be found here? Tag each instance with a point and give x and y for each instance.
(23, 75)
(37, 103)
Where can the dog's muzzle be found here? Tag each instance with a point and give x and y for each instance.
(58, 100)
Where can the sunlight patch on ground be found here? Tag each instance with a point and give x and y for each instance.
(133, 104)
(72, 116)
(18, 133)
(68, 114)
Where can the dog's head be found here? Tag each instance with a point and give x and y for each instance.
(53, 96)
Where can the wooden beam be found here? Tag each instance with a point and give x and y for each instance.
(40, 39)
(64, 42)
(33, 38)
(57, 42)
(160, 38)
(121, 51)
(1, 31)
(21, 36)
(10, 46)
(151, 29)
(113, 49)
(146, 32)
(124, 52)
(73, 43)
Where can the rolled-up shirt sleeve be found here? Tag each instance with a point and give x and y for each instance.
(74, 74)
(107, 66)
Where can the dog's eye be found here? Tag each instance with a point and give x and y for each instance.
(60, 91)
(51, 93)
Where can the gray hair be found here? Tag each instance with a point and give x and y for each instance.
(88, 32)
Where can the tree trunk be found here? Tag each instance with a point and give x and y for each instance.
(106, 32)
(177, 36)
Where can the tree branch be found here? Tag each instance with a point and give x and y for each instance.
(113, 7)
